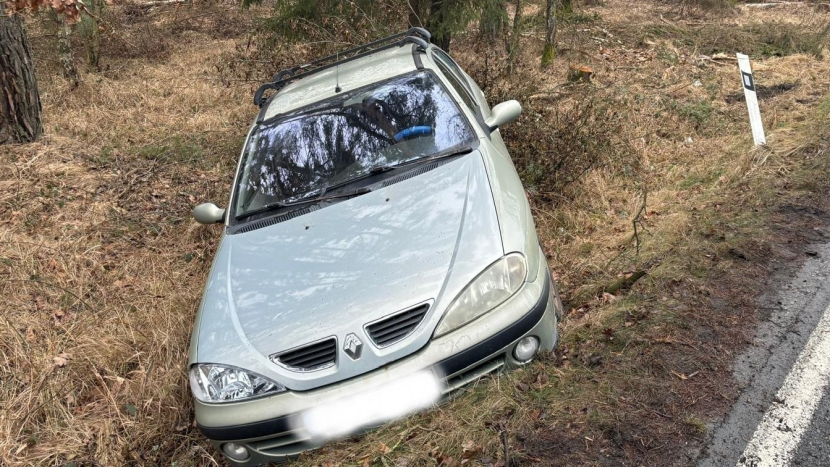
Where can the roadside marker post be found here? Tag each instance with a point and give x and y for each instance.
(751, 100)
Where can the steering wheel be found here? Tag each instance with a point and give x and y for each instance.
(413, 132)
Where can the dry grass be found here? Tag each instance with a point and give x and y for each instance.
(101, 267)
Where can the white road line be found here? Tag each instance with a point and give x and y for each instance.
(775, 440)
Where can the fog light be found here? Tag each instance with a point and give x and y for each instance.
(526, 348)
(235, 451)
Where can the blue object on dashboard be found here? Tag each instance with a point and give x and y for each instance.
(412, 132)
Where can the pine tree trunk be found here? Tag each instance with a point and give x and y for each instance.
(93, 35)
(493, 21)
(515, 39)
(550, 33)
(19, 99)
(437, 16)
(70, 71)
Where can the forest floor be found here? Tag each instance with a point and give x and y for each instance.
(102, 266)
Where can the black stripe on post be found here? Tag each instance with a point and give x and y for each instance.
(749, 83)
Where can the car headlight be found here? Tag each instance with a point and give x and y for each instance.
(219, 383)
(490, 289)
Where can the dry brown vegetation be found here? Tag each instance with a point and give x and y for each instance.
(101, 266)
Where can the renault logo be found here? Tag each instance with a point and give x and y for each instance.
(352, 346)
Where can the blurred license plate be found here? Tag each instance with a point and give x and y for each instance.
(378, 405)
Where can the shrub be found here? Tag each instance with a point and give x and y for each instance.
(555, 146)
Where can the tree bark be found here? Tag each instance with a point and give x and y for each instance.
(494, 21)
(437, 17)
(19, 98)
(93, 36)
(550, 33)
(515, 39)
(70, 71)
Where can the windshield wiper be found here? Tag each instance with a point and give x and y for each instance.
(280, 204)
(451, 153)
(378, 169)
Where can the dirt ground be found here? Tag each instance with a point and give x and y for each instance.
(102, 266)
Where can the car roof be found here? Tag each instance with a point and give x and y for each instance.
(381, 65)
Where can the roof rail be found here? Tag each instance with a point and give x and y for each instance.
(418, 36)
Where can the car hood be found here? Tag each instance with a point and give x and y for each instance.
(332, 271)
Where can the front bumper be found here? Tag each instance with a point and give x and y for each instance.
(268, 427)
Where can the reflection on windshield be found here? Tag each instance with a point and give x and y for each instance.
(338, 139)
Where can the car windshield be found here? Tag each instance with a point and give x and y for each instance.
(339, 139)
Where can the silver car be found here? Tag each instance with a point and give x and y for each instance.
(378, 252)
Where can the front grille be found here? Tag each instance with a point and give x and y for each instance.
(396, 327)
(316, 356)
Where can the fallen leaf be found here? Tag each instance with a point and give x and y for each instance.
(680, 375)
(61, 316)
(446, 461)
(469, 450)
(61, 359)
(384, 448)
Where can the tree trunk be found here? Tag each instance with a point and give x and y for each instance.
(437, 18)
(550, 33)
(19, 99)
(92, 34)
(515, 39)
(70, 71)
(493, 21)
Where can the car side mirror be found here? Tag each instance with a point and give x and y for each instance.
(208, 213)
(503, 114)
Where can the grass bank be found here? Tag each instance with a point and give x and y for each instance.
(101, 267)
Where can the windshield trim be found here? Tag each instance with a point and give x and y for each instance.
(232, 217)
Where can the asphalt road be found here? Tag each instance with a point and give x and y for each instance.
(783, 415)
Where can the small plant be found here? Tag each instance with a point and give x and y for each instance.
(666, 55)
(698, 112)
(697, 425)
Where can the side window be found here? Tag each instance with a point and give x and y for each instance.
(456, 83)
